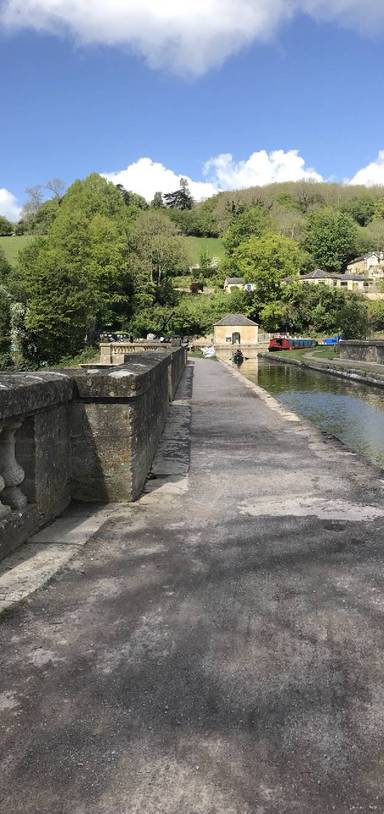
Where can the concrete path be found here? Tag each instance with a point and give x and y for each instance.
(218, 647)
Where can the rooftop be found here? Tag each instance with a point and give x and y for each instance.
(234, 281)
(318, 274)
(235, 320)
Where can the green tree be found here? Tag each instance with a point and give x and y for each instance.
(353, 317)
(157, 201)
(6, 227)
(181, 198)
(272, 316)
(330, 238)
(157, 255)
(76, 280)
(5, 268)
(266, 261)
(5, 330)
(253, 222)
(44, 217)
(376, 316)
(132, 199)
(361, 208)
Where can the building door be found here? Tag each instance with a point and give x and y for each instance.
(236, 338)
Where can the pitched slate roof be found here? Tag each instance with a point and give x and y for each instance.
(235, 320)
(317, 274)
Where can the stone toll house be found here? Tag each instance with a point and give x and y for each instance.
(236, 330)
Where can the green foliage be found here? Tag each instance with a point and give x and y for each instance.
(157, 201)
(5, 268)
(132, 199)
(254, 222)
(353, 317)
(361, 208)
(6, 227)
(379, 209)
(272, 316)
(5, 330)
(331, 239)
(181, 198)
(44, 217)
(158, 254)
(76, 279)
(266, 261)
(376, 316)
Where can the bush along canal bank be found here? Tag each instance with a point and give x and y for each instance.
(347, 410)
(365, 372)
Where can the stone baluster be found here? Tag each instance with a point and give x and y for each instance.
(11, 472)
(4, 510)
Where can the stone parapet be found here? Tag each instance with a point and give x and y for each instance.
(369, 350)
(112, 353)
(88, 434)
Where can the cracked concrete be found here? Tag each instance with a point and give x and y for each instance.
(198, 657)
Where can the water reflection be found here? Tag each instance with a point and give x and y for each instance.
(351, 411)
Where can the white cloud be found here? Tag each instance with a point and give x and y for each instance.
(8, 205)
(147, 177)
(222, 172)
(188, 36)
(259, 169)
(371, 175)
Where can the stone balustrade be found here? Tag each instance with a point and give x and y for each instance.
(112, 353)
(86, 434)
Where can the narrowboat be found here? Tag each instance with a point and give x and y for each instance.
(289, 343)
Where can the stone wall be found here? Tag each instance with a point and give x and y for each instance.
(87, 434)
(112, 353)
(363, 351)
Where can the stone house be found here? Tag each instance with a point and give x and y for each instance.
(371, 264)
(235, 329)
(350, 282)
(233, 283)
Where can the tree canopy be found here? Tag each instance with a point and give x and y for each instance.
(181, 198)
(331, 239)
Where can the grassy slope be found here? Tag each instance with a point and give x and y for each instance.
(12, 245)
(197, 245)
(322, 353)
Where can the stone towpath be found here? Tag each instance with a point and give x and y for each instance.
(218, 647)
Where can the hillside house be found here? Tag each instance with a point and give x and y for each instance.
(372, 265)
(350, 282)
(233, 283)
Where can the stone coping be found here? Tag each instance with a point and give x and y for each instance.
(23, 393)
(30, 392)
(365, 343)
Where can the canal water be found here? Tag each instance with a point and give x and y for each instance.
(351, 411)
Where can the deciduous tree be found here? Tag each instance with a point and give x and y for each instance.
(331, 239)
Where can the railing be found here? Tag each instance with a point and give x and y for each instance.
(12, 474)
(87, 434)
(113, 353)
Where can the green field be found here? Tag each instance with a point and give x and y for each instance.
(196, 245)
(12, 245)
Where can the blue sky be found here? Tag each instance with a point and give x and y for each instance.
(71, 107)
